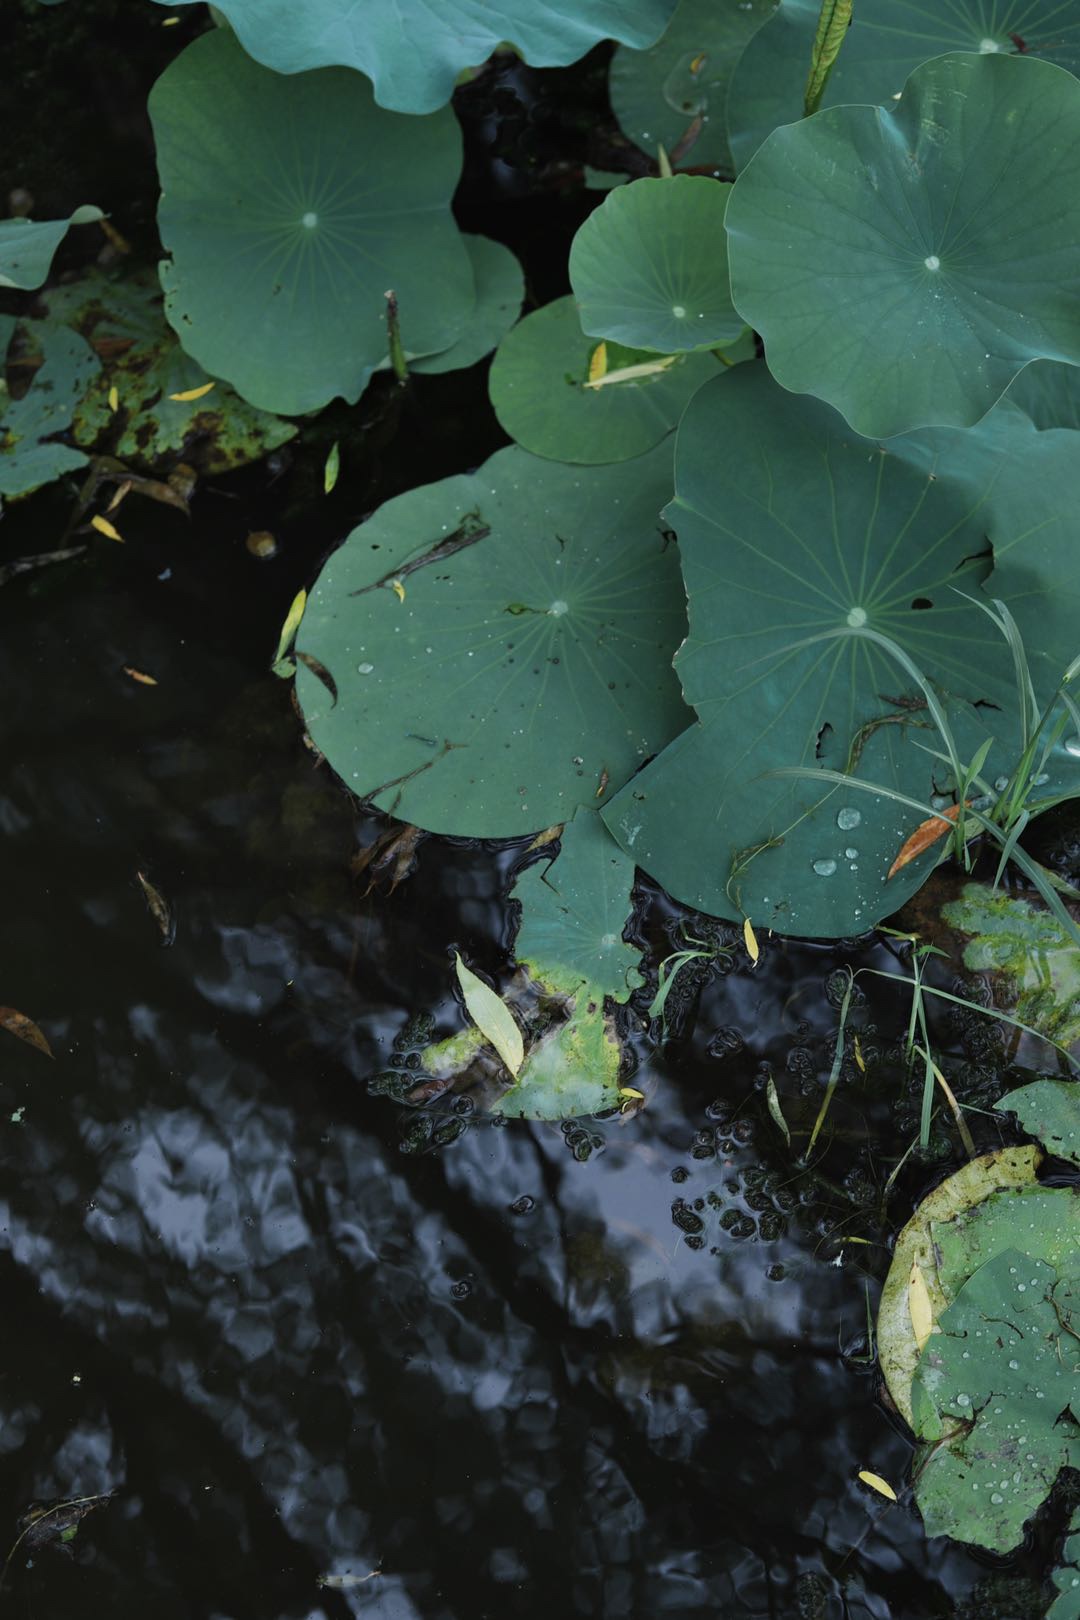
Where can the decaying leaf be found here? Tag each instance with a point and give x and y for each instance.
(876, 1483)
(47, 1523)
(753, 950)
(332, 468)
(548, 836)
(120, 493)
(187, 394)
(776, 1113)
(398, 589)
(159, 909)
(645, 368)
(114, 398)
(393, 852)
(631, 1100)
(103, 526)
(320, 671)
(926, 833)
(17, 1023)
(491, 1016)
(282, 665)
(261, 544)
(598, 363)
(139, 675)
(919, 1306)
(860, 1061)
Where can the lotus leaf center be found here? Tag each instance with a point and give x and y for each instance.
(932, 262)
(679, 311)
(988, 45)
(857, 618)
(309, 221)
(559, 608)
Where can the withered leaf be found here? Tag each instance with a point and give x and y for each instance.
(159, 909)
(926, 833)
(139, 675)
(17, 1023)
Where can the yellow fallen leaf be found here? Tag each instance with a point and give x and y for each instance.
(631, 1093)
(919, 1306)
(647, 368)
(876, 1483)
(598, 363)
(860, 1061)
(492, 1017)
(103, 526)
(17, 1023)
(139, 675)
(332, 468)
(121, 493)
(188, 394)
(698, 63)
(398, 589)
(750, 941)
(291, 625)
(114, 398)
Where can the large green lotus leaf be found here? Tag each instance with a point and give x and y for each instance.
(1044, 1220)
(538, 388)
(573, 912)
(415, 49)
(649, 266)
(1049, 393)
(887, 39)
(521, 662)
(29, 456)
(791, 527)
(291, 205)
(143, 361)
(1050, 1110)
(27, 245)
(500, 292)
(993, 1395)
(906, 264)
(658, 95)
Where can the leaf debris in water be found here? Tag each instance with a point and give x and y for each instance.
(919, 1307)
(282, 665)
(491, 1016)
(103, 526)
(159, 909)
(332, 468)
(776, 1113)
(188, 394)
(753, 950)
(598, 363)
(139, 675)
(114, 398)
(17, 1023)
(876, 1483)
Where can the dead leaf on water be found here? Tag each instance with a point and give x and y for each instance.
(17, 1023)
(159, 909)
(926, 833)
(631, 1100)
(332, 468)
(776, 1113)
(491, 1016)
(598, 363)
(876, 1483)
(392, 854)
(753, 950)
(119, 494)
(860, 1061)
(139, 675)
(919, 1306)
(188, 394)
(542, 839)
(103, 526)
(114, 398)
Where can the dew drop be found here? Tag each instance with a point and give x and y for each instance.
(825, 868)
(848, 819)
(364, 669)
(679, 311)
(1000, 784)
(997, 1498)
(559, 608)
(963, 1400)
(987, 46)
(1015, 1366)
(851, 853)
(1072, 746)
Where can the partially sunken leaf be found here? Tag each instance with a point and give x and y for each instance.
(17, 1023)
(649, 266)
(530, 659)
(29, 455)
(491, 1016)
(916, 298)
(414, 50)
(27, 246)
(283, 246)
(1050, 1111)
(540, 388)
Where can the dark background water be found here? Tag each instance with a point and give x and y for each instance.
(299, 1331)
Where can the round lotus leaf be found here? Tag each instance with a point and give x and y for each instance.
(27, 245)
(674, 94)
(29, 453)
(573, 912)
(906, 264)
(500, 293)
(798, 542)
(488, 652)
(290, 206)
(886, 41)
(1049, 1110)
(539, 386)
(649, 266)
(415, 49)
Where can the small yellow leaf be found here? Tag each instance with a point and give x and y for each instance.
(114, 398)
(398, 589)
(121, 493)
(492, 1017)
(332, 468)
(598, 363)
(291, 625)
(876, 1483)
(698, 63)
(750, 940)
(159, 909)
(632, 1093)
(170, 22)
(103, 526)
(860, 1061)
(139, 675)
(188, 394)
(919, 1306)
(646, 368)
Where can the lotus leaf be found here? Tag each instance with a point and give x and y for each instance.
(498, 645)
(1066, 1606)
(1049, 393)
(290, 207)
(997, 1395)
(143, 361)
(571, 1072)
(790, 528)
(1011, 936)
(649, 266)
(415, 49)
(1049, 1110)
(500, 292)
(660, 95)
(538, 386)
(887, 39)
(906, 264)
(27, 245)
(573, 912)
(29, 456)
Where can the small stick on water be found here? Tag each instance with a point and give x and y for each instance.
(393, 330)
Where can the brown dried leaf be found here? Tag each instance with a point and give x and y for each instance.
(139, 675)
(159, 909)
(17, 1023)
(926, 833)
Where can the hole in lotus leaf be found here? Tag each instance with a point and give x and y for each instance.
(921, 603)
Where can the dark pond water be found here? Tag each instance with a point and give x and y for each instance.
(331, 1357)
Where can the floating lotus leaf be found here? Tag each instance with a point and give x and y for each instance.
(499, 645)
(500, 292)
(29, 455)
(290, 206)
(906, 264)
(887, 39)
(660, 95)
(1026, 946)
(538, 388)
(415, 49)
(1050, 1110)
(649, 267)
(790, 528)
(1049, 393)
(27, 245)
(571, 1072)
(573, 912)
(142, 360)
(997, 1398)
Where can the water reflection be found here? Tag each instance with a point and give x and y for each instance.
(509, 1382)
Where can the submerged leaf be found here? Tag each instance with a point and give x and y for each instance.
(491, 1016)
(159, 909)
(17, 1023)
